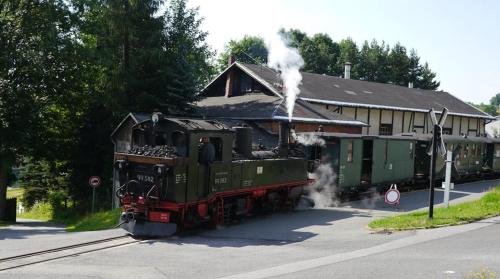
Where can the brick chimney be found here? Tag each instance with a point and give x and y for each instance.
(230, 77)
(347, 70)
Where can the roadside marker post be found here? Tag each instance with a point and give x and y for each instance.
(447, 185)
(94, 182)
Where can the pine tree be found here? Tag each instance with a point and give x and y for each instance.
(399, 65)
(427, 80)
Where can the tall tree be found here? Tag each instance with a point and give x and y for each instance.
(40, 77)
(250, 49)
(320, 54)
(349, 52)
(187, 54)
(399, 65)
(373, 64)
(414, 67)
(427, 80)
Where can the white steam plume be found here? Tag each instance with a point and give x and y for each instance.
(323, 191)
(309, 139)
(287, 61)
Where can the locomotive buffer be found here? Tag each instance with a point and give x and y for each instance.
(437, 143)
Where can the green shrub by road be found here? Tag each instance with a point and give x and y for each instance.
(98, 221)
(487, 206)
(71, 218)
(74, 220)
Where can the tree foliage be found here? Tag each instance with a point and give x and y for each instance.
(493, 108)
(374, 61)
(250, 49)
(71, 69)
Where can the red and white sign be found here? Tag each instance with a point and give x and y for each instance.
(95, 181)
(392, 195)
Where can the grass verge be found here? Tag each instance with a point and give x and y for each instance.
(97, 221)
(487, 206)
(73, 220)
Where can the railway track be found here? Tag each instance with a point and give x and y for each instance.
(64, 252)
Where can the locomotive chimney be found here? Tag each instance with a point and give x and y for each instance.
(347, 70)
(284, 136)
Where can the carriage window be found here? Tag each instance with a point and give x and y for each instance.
(473, 153)
(349, 151)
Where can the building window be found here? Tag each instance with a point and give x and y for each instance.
(447, 131)
(385, 130)
(349, 151)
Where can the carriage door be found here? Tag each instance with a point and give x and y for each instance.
(490, 150)
(366, 167)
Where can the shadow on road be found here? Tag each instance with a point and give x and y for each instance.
(277, 229)
(24, 229)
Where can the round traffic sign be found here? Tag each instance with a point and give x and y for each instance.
(392, 195)
(94, 181)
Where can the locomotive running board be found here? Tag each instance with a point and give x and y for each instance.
(149, 229)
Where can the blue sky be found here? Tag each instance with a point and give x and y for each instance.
(459, 39)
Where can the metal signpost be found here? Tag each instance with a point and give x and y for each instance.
(437, 143)
(94, 182)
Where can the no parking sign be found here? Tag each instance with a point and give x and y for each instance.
(392, 195)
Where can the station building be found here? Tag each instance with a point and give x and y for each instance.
(339, 104)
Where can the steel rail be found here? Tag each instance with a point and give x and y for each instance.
(65, 248)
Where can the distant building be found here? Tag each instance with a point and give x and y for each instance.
(254, 92)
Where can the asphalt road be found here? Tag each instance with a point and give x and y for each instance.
(320, 243)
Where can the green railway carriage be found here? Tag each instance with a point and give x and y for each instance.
(470, 156)
(493, 155)
(362, 162)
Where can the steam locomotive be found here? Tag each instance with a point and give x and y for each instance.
(182, 173)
